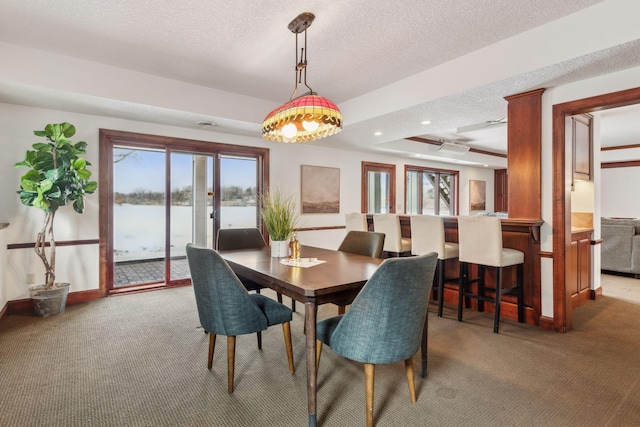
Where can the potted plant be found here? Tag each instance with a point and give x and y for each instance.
(57, 176)
(279, 216)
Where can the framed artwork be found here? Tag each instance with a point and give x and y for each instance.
(320, 189)
(477, 195)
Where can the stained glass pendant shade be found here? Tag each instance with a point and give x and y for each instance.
(309, 116)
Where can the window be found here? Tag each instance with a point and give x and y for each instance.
(431, 191)
(378, 188)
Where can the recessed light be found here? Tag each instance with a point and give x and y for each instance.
(378, 133)
(426, 122)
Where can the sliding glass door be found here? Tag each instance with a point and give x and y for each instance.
(164, 197)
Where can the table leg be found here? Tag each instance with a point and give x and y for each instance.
(425, 330)
(310, 324)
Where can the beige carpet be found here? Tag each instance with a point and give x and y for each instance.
(140, 360)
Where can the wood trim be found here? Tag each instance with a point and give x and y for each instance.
(24, 305)
(627, 164)
(596, 242)
(3, 225)
(619, 147)
(4, 312)
(472, 150)
(47, 244)
(524, 138)
(327, 227)
(561, 193)
(545, 254)
(596, 293)
(547, 323)
(367, 167)
(111, 138)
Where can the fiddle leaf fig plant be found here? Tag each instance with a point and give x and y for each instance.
(57, 176)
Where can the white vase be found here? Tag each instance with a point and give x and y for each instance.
(279, 248)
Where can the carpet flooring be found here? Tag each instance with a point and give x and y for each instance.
(140, 360)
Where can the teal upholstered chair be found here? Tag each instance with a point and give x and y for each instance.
(226, 308)
(230, 239)
(365, 243)
(386, 320)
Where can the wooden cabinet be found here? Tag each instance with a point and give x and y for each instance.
(501, 190)
(582, 146)
(579, 268)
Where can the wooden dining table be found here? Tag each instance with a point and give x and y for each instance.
(336, 280)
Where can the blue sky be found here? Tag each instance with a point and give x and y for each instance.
(145, 170)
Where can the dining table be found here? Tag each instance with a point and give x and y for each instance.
(321, 276)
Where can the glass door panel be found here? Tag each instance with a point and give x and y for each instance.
(138, 216)
(238, 192)
(191, 205)
(378, 192)
(428, 194)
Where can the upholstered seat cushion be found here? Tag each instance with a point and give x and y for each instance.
(451, 250)
(276, 313)
(511, 257)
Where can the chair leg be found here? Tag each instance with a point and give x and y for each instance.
(481, 289)
(408, 365)
(286, 330)
(259, 336)
(212, 345)
(279, 295)
(231, 361)
(461, 288)
(520, 293)
(440, 286)
(318, 353)
(293, 304)
(498, 298)
(341, 309)
(369, 370)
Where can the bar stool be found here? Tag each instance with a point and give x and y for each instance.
(356, 221)
(427, 235)
(480, 242)
(389, 224)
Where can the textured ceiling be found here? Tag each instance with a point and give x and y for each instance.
(357, 50)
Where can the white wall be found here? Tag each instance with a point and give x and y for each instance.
(613, 82)
(622, 197)
(79, 264)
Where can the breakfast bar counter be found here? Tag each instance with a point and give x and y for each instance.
(520, 234)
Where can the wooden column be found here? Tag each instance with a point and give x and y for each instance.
(524, 142)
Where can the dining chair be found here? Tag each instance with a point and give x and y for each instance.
(366, 243)
(427, 235)
(356, 221)
(226, 308)
(385, 322)
(230, 239)
(480, 242)
(389, 224)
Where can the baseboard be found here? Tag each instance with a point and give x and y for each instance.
(4, 312)
(596, 293)
(24, 305)
(547, 323)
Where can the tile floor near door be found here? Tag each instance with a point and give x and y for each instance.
(147, 271)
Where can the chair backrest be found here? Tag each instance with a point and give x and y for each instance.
(356, 221)
(239, 238)
(384, 323)
(389, 224)
(224, 305)
(480, 240)
(427, 235)
(363, 243)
